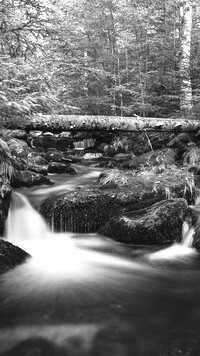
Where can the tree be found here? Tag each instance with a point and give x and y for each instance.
(24, 26)
(186, 100)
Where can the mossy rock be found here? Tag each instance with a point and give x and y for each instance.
(166, 157)
(88, 209)
(160, 223)
(10, 256)
(18, 148)
(171, 180)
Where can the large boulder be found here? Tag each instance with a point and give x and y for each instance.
(90, 208)
(158, 224)
(18, 148)
(10, 256)
(28, 179)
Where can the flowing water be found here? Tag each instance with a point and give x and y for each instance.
(87, 295)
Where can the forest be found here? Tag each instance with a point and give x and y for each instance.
(100, 57)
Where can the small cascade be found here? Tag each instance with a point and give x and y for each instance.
(75, 222)
(184, 248)
(23, 222)
(85, 143)
(178, 250)
(187, 235)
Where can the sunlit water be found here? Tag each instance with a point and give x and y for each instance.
(87, 295)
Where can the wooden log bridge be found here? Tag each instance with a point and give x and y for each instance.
(58, 123)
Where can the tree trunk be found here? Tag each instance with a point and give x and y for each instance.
(58, 123)
(186, 104)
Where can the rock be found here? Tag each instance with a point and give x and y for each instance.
(92, 156)
(181, 142)
(166, 156)
(160, 223)
(64, 144)
(5, 153)
(38, 169)
(56, 167)
(48, 134)
(192, 156)
(10, 256)
(18, 148)
(80, 211)
(65, 134)
(107, 149)
(57, 156)
(44, 142)
(36, 159)
(143, 142)
(88, 209)
(18, 163)
(5, 196)
(35, 133)
(170, 180)
(7, 134)
(48, 141)
(28, 179)
(121, 157)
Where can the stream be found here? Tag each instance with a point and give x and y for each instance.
(88, 295)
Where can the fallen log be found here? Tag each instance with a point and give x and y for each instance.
(58, 123)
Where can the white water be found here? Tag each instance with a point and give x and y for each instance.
(60, 256)
(178, 251)
(23, 222)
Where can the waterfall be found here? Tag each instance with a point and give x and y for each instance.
(23, 222)
(187, 235)
(178, 251)
(58, 254)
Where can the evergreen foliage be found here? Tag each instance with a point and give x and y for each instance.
(99, 57)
